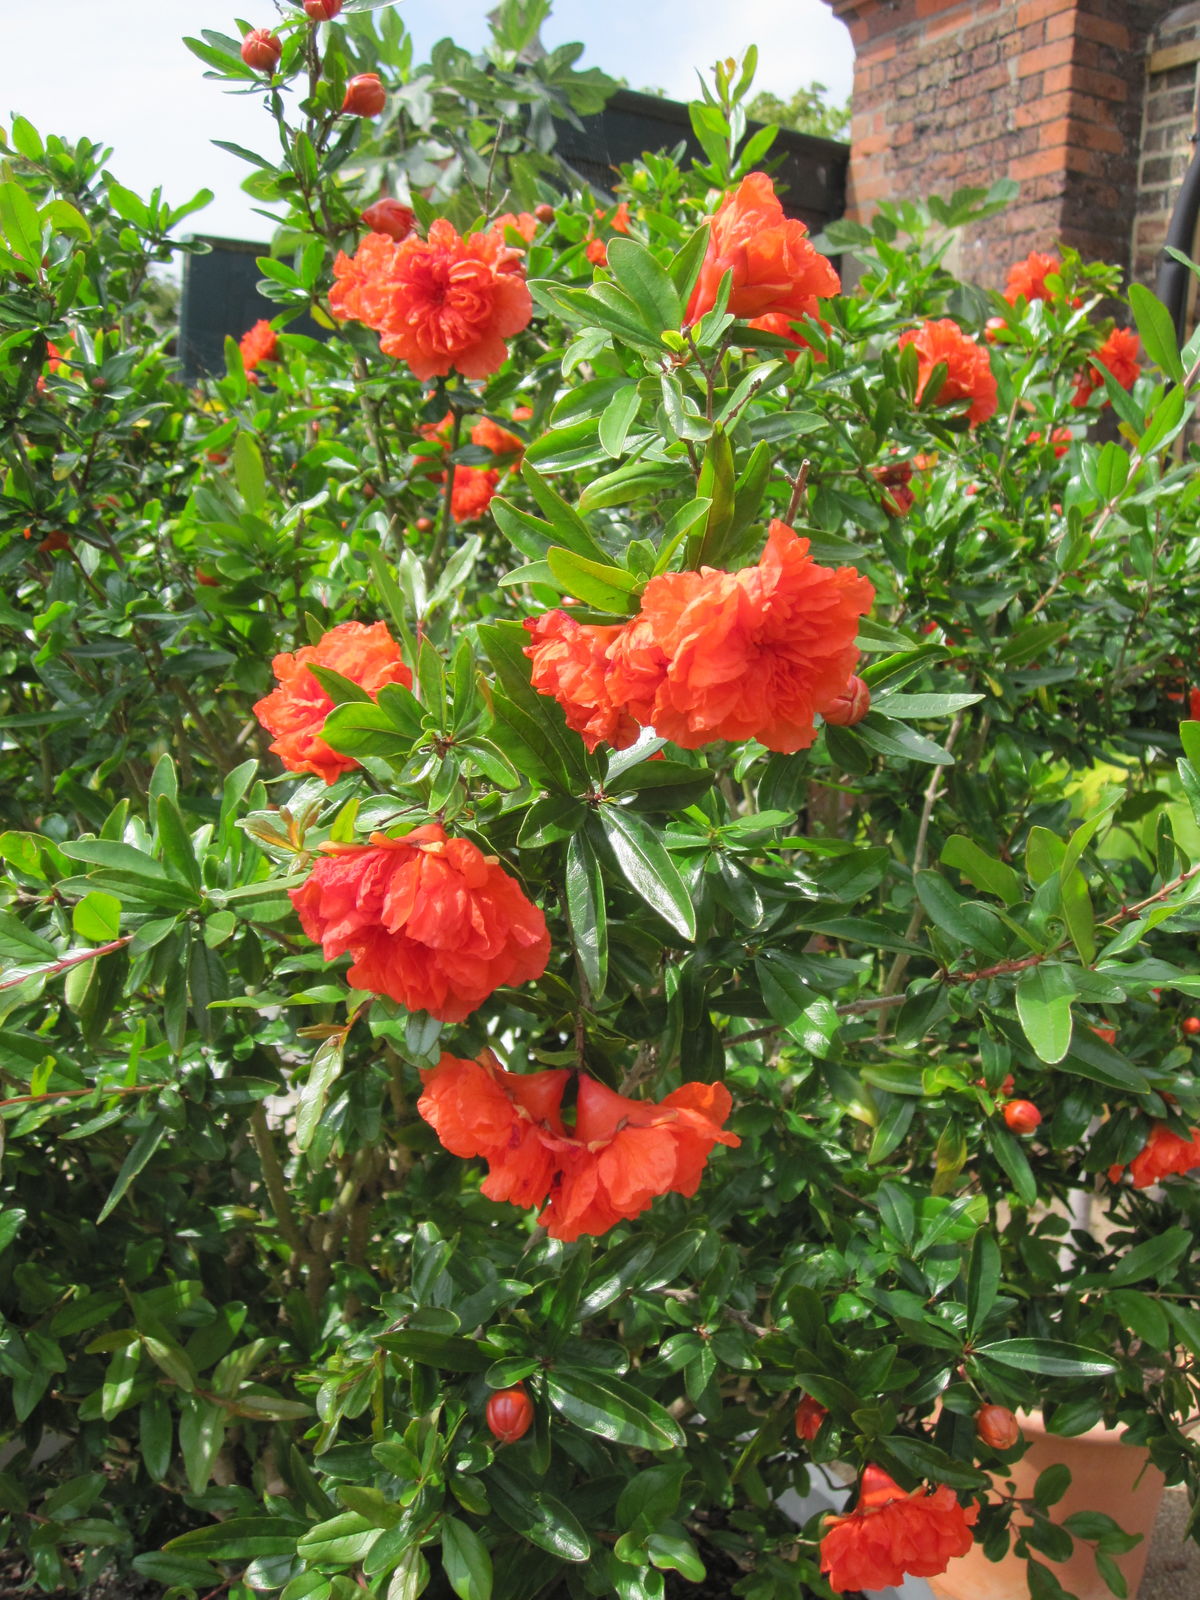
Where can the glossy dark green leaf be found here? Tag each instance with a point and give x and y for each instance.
(604, 1405)
(535, 1514)
(586, 911)
(648, 868)
(466, 1560)
(1052, 1358)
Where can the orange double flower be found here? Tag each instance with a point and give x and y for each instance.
(608, 1166)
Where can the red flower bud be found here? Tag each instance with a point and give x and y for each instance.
(851, 705)
(1191, 1025)
(1022, 1116)
(810, 1414)
(322, 10)
(424, 524)
(365, 96)
(509, 1414)
(997, 1427)
(207, 579)
(544, 213)
(390, 217)
(261, 50)
(217, 457)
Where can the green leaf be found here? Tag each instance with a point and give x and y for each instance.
(467, 1562)
(685, 267)
(342, 1540)
(155, 1432)
(171, 1359)
(97, 917)
(676, 1553)
(1044, 995)
(980, 869)
(11, 1219)
(983, 1279)
(174, 841)
(648, 869)
(1051, 1485)
(1029, 642)
(341, 690)
(1044, 852)
(1157, 328)
(201, 1435)
(450, 1353)
(923, 705)
(606, 587)
(970, 925)
(248, 472)
(1013, 1159)
(27, 140)
(617, 419)
(717, 483)
(536, 1515)
(586, 911)
(241, 1538)
(143, 1148)
(322, 1074)
(646, 283)
(611, 1409)
(896, 739)
(563, 752)
(20, 225)
(1052, 1358)
(365, 729)
(1153, 1258)
(20, 946)
(1043, 1585)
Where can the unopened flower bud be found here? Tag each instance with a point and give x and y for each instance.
(509, 1414)
(810, 1414)
(851, 705)
(1022, 1116)
(390, 217)
(997, 1427)
(365, 96)
(322, 10)
(261, 50)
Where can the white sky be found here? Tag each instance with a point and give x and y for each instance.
(118, 72)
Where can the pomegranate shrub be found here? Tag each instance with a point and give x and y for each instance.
(599, 888)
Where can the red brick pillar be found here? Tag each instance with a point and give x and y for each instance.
(951, 93)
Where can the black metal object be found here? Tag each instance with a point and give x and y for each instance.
(1173, 276)
(220, 297)
(220, 289)
(811, 177)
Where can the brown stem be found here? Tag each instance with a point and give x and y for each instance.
(443, 532)
(1126, 912)
(276, 1184)
(933, 791)
(61, 966)
(799, 484)
(70, 1094)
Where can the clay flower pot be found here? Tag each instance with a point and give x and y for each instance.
(1105, 1476)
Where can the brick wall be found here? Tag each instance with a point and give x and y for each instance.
(1168, 119)
(950, 93)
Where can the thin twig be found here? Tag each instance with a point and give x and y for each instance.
(799, 483)
(67, 961)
